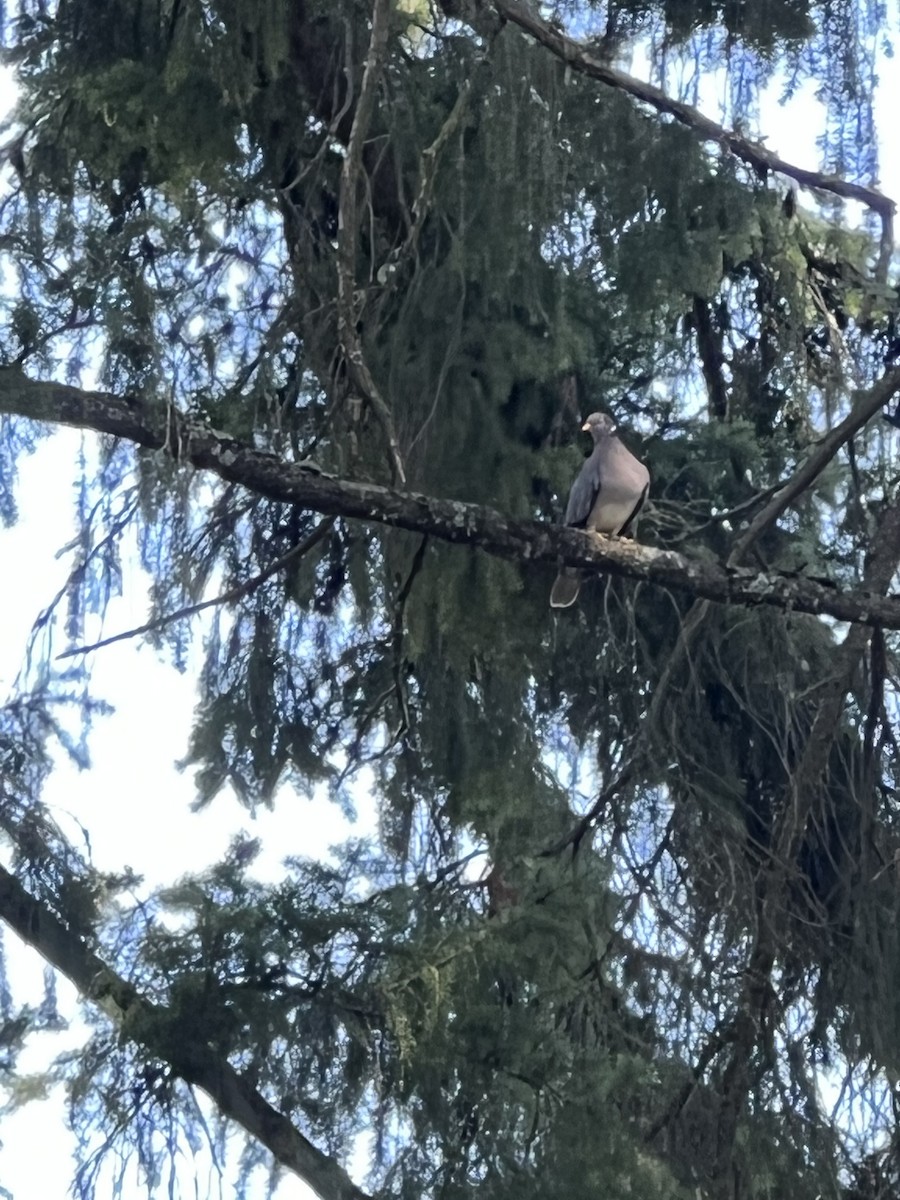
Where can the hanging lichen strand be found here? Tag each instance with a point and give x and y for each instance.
(626, 922)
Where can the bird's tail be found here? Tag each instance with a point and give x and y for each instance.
(565, 589)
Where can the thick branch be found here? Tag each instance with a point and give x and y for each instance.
(156, 427)
(754, 154)
(157, 1029)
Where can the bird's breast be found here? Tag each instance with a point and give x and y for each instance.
(623, 479)
(611, 512)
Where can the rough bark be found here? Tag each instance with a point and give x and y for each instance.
(158, 427)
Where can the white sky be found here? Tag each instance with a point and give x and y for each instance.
(134, 803)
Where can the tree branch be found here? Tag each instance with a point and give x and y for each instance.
(800, 794)
(348, 233)
(230, 597)
(157, 427)
(867, 405)
(754, 154)
(712, 358)
(158, 1029)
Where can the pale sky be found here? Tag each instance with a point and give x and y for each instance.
(134, 803)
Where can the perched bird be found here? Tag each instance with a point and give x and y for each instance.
(606, 497)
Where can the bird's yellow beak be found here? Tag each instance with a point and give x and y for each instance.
(586, 427)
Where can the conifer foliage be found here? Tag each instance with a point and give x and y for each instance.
(334, 281)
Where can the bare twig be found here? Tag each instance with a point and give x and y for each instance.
(229, 597)
(348, 233)
(592, 817)
(718, 518)
(397, 637)
(428, 171)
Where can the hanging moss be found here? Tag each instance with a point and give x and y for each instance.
(559, 965)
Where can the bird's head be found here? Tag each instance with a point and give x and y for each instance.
(599, 425)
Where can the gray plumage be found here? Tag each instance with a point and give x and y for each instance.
(606, 497)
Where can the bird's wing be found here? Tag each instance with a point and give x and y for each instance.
(585, 491)
(632, 520)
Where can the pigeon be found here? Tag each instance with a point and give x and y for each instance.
(606, 497)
